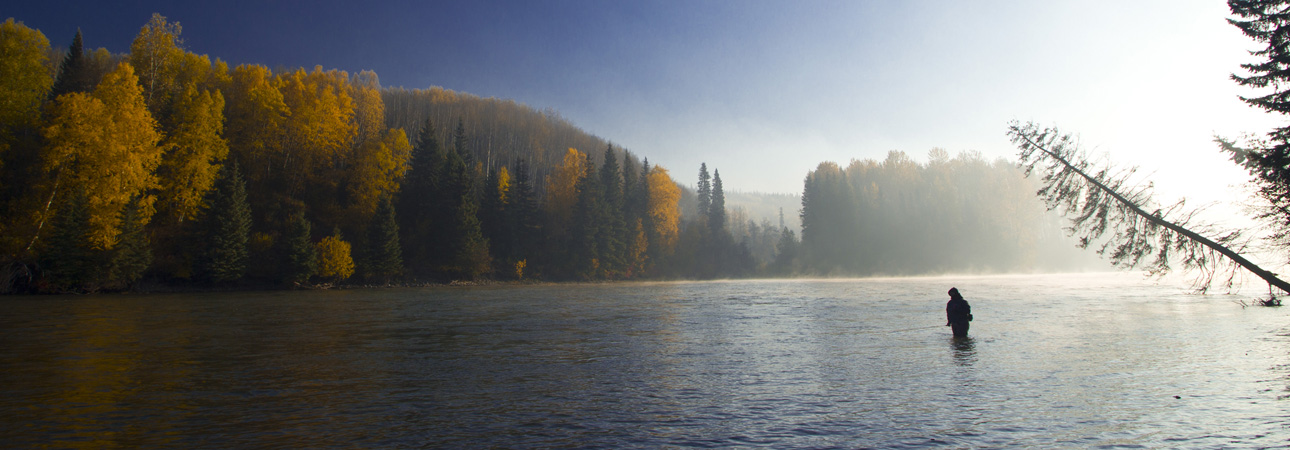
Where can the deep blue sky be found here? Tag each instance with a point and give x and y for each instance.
(762, 90)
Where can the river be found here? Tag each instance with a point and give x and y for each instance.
(1091, 360)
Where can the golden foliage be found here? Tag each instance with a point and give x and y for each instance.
(664, 212)
(195, 148)
(156, 55)
(24, 77)
(503, 185)
(104, 144)
(334, 260)
(562, 189)
(255, 115)
(320, 128)
(379, 166)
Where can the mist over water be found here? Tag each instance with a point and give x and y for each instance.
(1052, 361)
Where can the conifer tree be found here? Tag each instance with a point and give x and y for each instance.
(73, 75)
(385, 259)
(69, 258)
(300, 258)
(717, 210)
(420, 199)
(466, 249)
(227, 228)
(459, 145)
(1267, 160)
(132, 253)
(612, 236)
(704, 193)
(588, 224)
(523, 213)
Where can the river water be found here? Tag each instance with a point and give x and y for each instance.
(1053, 361)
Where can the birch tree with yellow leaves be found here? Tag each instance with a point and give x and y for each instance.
(105, 144)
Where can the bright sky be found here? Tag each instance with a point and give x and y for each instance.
(764, 91)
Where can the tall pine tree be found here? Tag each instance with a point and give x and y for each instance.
(74, 74)
(704, 193)
(587, 225)
(132, 253)
(227, 227)
(299, 256)
(69, 259)
(717, 209)
(384, 256)
(421, 202)
(1267, 161)
(612, 236)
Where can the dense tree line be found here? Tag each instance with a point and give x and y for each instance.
(898, 217)
(166, 164)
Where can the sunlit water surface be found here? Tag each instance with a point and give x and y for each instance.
(1054, 361)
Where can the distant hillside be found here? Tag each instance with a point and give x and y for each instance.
(497, 131)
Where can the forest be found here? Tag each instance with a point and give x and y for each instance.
(164, 167)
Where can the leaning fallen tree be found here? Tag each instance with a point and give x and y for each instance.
(1098, 198)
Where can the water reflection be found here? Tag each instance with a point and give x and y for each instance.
(964, 350)
(798, 364)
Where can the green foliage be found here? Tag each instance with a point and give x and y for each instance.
(466, 248)
(717, 210)
(69, 259)
(384, 260)
(299, 257)
(420, 201)
(1267, 160)
(74, 75)
(703, 192)
(132, 254)
(227, 228)
(588, 225)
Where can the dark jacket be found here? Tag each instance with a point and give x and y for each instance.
(958, 310)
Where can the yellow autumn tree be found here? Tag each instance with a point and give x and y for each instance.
(503, 185)
(195, 149)
(104, 144)
(255, 117)
(376, 172)
(664, 212)
(156, 56)
(369, 109)
(319, 131)
(334, 259)
(562, 190)
(24, 79)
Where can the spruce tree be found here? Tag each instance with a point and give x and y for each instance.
(420, 199)
(73, 73)
(717, 209)
(1267, 161)
(133, 252)
(523, 214)
(704, 193)
(69, 260)
(299, 256)
(588, 223)
(611, 239)
(227, 228)
(385, 259)
(465, 252)
(459, 145)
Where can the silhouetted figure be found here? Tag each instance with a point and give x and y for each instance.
(958, 313)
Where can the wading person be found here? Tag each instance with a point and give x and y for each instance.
(958, 313)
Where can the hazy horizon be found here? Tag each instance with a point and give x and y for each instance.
(765, 91)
